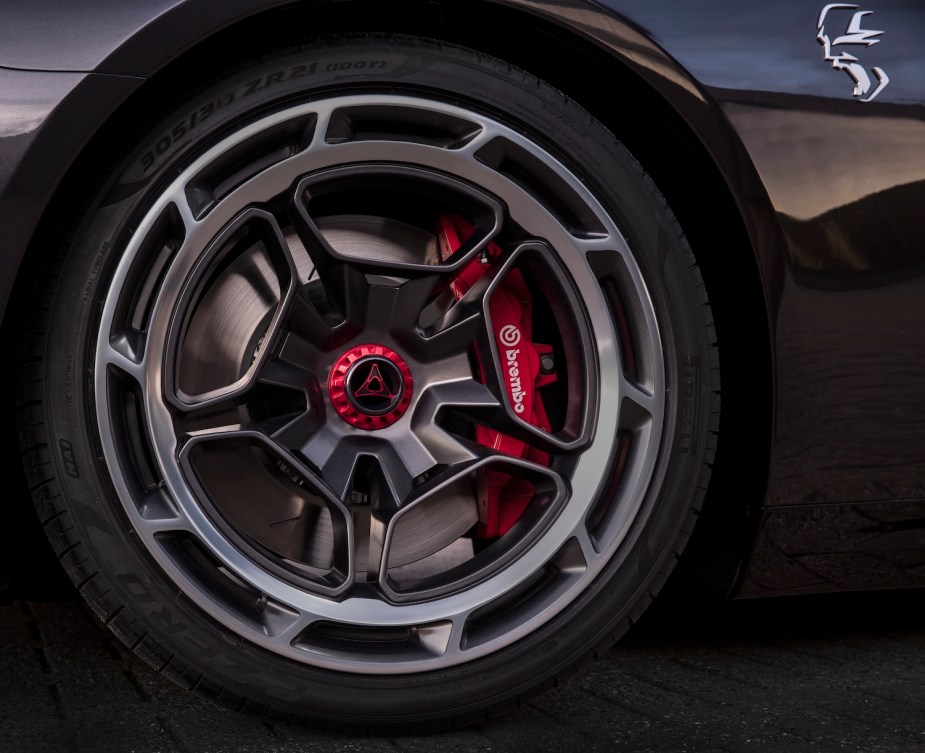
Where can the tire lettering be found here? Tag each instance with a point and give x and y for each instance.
(179, 130)
(278, 77)
(357, 65)
(94, 271)
(687, 391)
(69, 396)
(67, 457)
(273, 78)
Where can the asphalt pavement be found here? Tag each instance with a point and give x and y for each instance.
(831, 673)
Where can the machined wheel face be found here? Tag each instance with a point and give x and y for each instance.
(379, 383)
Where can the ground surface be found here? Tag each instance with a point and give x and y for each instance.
(837, 673)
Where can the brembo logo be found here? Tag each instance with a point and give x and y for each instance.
(513, 378)
(509, 335)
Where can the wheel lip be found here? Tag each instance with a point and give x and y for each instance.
(359, 611)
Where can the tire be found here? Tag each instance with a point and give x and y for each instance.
(282, 448)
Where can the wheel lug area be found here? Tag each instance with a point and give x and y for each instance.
(370, 386)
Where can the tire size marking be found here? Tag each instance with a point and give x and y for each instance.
(185, 126)
(299, 71)
(265, 82)
(687, 390)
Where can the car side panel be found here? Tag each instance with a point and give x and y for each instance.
(846, 180)
(74, 36)
(773, 47)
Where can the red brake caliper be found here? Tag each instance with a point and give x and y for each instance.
(502, 497)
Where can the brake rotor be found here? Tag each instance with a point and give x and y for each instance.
(225, 329)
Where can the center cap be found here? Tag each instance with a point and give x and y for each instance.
(370, 386)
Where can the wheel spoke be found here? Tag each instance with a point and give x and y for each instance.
(391, 486)
(343, 282)
(637, 405)
(413, 296)
(327, 451)
(223, 418)
(158, 514)
(463, 324)
(295, 434)
(290, 629)
(120, 355)
(325, 332)
(285, 373)
(463, 395)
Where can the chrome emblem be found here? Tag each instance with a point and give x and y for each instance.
(844, 61)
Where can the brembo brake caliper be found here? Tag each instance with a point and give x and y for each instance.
(503, 498)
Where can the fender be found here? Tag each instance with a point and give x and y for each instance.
(136, 43)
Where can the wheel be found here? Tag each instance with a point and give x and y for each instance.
(379, 388)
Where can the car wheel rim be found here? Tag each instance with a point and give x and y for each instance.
(324, 513)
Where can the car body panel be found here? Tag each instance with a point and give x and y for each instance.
(79, 36)
(830, 191)
(771, 47)
(46, 119)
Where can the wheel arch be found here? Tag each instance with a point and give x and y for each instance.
(684, 138)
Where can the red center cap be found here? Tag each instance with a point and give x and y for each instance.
(370, 386)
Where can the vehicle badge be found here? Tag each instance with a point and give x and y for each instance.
(854, 36)
(374, 385)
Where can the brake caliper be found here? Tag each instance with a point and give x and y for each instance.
(503, 498)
